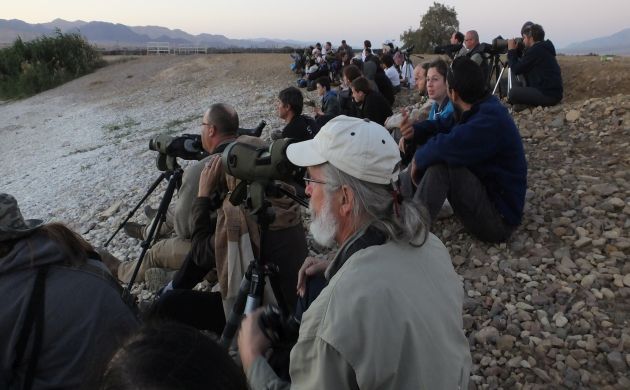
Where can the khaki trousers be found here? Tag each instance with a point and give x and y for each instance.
(168, 253)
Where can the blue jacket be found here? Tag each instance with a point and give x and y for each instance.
(446, 110)
(540, 67)
(487, 142)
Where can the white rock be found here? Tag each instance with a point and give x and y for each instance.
(561, 320)
(588, 280)
(572, 116)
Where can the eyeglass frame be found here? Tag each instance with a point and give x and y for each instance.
(308, 180)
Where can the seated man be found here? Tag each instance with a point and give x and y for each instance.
(372, 105)
(218, 129)
(390, 316)
(419, 111)
(540, 68)
(391, 72)
(477, 164)
(329, 101)
(289, 106)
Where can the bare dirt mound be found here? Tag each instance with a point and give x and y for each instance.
(590, 77)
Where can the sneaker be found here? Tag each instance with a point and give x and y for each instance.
(150, 212)
(156, 278)
(134, 230)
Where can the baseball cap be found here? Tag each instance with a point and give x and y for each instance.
(358, 147)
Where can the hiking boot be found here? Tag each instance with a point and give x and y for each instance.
(134, 230)
(109, 260)
(150, 212)
(156, 278)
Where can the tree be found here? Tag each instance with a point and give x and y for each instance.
(436, 27)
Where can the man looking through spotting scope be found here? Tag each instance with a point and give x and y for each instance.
(219, 127)
(540, 68)
(390, 316)
(225, 237)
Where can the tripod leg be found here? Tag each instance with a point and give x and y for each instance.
(234, 320)
(132, 212)
(498, 81)
(174, 179)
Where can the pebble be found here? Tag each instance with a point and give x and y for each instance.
(587, 281)
(572, 116)
(560, 320)
(582, 241)
(616, 361)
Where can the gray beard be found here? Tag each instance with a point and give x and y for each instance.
(323, 226)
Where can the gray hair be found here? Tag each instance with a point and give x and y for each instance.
(374, 203)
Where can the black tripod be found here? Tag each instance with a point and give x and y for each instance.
(253, 283)
(174, 177)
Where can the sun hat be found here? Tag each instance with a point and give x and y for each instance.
(12, 224)
(358, 147)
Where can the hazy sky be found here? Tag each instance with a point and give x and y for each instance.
(564, 21)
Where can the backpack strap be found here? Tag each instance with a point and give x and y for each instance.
(34, 317)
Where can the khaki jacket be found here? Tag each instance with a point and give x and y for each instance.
(390, 318)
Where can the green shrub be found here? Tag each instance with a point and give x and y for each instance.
(27, 68)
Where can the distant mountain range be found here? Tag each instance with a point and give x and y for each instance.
(114, 35)
(618, 43)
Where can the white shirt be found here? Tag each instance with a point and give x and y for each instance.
(393, 75)
(406, 71)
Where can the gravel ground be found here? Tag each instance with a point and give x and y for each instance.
(549, 309)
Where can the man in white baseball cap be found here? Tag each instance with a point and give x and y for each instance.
(390, 316)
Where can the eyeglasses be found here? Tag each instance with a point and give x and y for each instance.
(308, 180)
(206, 124)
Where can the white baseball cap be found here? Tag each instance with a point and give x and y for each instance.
(358, 147)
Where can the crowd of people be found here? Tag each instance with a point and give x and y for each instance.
(385, 312)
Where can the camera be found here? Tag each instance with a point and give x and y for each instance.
(500, 45)
(251, 164)
(257, 168)
(187, 146)
(408, 50)
(280, 329)
(450, 50)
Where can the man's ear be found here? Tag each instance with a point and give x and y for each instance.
(453, 95)
(211, 131)
(347, 201)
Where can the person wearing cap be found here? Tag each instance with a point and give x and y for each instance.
(390, 316)
(62, 316)
(477, 163)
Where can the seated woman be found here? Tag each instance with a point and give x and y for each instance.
(62, 316)
(437, 91)
(442, 109)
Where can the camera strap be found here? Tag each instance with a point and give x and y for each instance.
(34, 317)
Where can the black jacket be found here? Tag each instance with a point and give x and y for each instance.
(375, 108)
(540, 67)
(301, 128)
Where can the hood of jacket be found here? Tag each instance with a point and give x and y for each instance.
(30, 252)
(548, 46)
